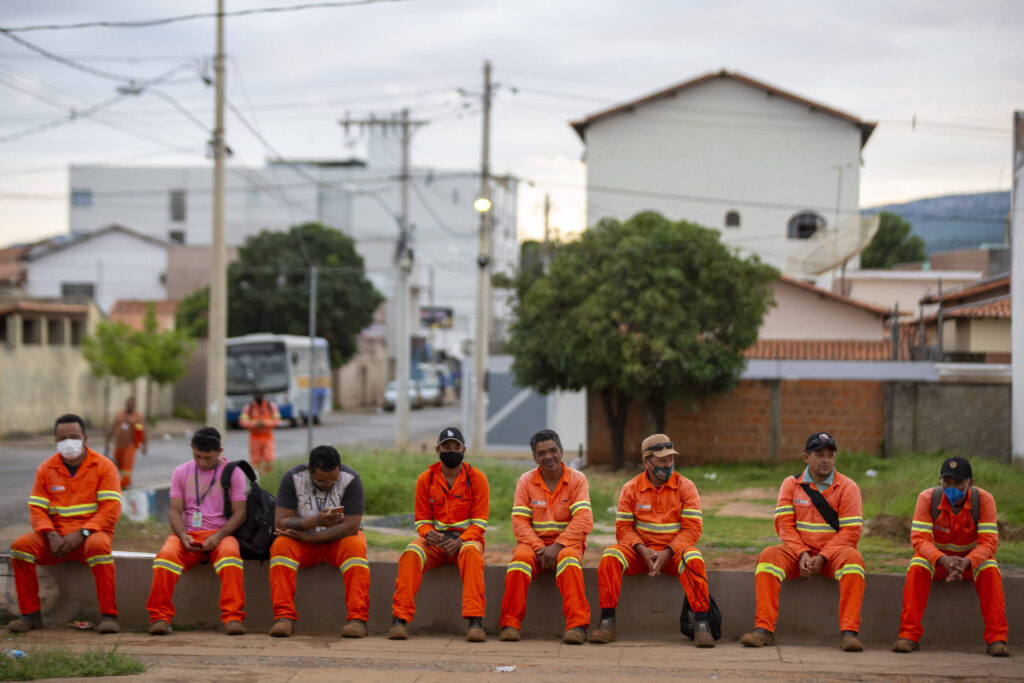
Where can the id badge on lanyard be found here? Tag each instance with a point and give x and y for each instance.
(197, 519)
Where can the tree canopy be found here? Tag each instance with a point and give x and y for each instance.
(643, 309)
(892, 244)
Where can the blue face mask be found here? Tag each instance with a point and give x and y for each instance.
(664, 472)
(953, 494)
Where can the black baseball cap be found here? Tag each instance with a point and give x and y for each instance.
(956, 467)
(450, 434)
(819, 440)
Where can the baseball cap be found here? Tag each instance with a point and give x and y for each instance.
(818, 441)
(956, 467)
(658, 445)
(450, 434)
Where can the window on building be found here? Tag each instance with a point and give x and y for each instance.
(805, 224)
(176, 236)
(55, 332)
(177, 205)
(77, 290)
(31, 331)
(77, 332)
(81, 198)
(732, 219)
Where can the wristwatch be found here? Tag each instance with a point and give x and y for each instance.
(85, 532)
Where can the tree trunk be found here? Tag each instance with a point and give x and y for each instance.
(149, 401)
(616, 410)
(106, 412)
(656, 404)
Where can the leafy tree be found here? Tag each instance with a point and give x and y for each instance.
(268, 289)
(165, 354)
(892, 244)
(113, 356)
(191, 314)
(646, 310)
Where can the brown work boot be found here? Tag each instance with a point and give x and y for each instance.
(905, 645)
(108, 624)
(282, 628)
(759, 637)
(577, 635)
(509, 634)
(234, 628)
(997, 648)
(475, 633)
(160, 627)
(398, 630)
(354, 628)
(605, 631)
(25, 623)
(850, 642)
(702, 635)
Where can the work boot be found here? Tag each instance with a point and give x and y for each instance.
(997, 648)
(509, 633)
(605, 631)
(702, 634)
(160, 627)
(577, 635)
(850, 642)
(355, 628)
(398, 631)
(475, 633)
(234, 628)
(282, 628)
(25, 623)
(759, 637)
(108, 624)
(905, 645)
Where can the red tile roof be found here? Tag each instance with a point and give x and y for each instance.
(992, 308)
(43, 308)
(824, 349)
(969, 290)
(13, 273)
(133, 312)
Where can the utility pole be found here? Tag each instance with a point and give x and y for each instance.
(218, 320)
(312, 356)
(545, 257)
(1017, 291)
(403, 266)
(478, 435)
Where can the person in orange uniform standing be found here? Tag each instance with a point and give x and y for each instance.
(955, 538)
(452, 502)
(657, 525)
(319, 510)
(551, 517)
(128, 432)
(818, 518)
(74, 507)
(260, 416)
(202, 533)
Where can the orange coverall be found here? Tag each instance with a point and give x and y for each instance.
(665, 517)
(173, 559)
(129, 432)
(463, 507)
(802, 529)
(348, 554)
(954, 534)
(261, 439)
(62, 503)
(541, 517)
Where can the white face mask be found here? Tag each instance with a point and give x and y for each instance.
(70, 449)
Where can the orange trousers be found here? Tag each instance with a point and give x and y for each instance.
(125, 459)
(779, 562)
(420, 557)
(568, 577)
(619, 560)
(988, 583)
(173, 559)
(33, 549)
(348, 554)
(261, 449)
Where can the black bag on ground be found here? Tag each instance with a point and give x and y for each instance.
(257, 531)
(687, 620)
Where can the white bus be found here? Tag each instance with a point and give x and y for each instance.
(278, 365)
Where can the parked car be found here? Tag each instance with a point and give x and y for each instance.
(431, 392)
(391, 394)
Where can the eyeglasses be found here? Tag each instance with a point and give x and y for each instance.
(660, 446)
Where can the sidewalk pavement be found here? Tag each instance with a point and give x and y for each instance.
(258, 657)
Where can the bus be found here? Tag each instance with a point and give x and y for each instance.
(278, 365)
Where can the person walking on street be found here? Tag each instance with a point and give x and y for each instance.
(128, 432)
(260, 416)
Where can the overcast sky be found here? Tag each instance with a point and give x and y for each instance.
(957, 67)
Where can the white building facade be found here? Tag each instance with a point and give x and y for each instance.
(766, 168)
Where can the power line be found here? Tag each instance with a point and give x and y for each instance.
(189, 17)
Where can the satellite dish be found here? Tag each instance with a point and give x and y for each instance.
(829, 248)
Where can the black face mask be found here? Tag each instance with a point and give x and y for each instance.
(451, 459)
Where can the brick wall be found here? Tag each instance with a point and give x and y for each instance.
(738, 426)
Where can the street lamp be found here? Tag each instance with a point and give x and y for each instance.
(483, 205)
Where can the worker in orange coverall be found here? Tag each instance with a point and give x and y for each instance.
(451, 507)
(551, 517)
(955, 537)
(818, 518)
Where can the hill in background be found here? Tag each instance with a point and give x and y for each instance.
(958, 221)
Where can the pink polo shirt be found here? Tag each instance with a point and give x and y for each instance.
(209, 499)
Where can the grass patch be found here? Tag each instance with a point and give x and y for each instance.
(63, 663)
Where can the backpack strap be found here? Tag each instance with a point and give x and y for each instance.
(225, 479)
(826, 511)
(975, 504)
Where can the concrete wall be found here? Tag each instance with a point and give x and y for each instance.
(801, 314)
(649, 607)
(886, 287)
(361, 381)
(990, 335)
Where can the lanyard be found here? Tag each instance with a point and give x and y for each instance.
(200, 499)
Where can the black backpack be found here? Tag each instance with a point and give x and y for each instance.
(257, 531)
(686, 619)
